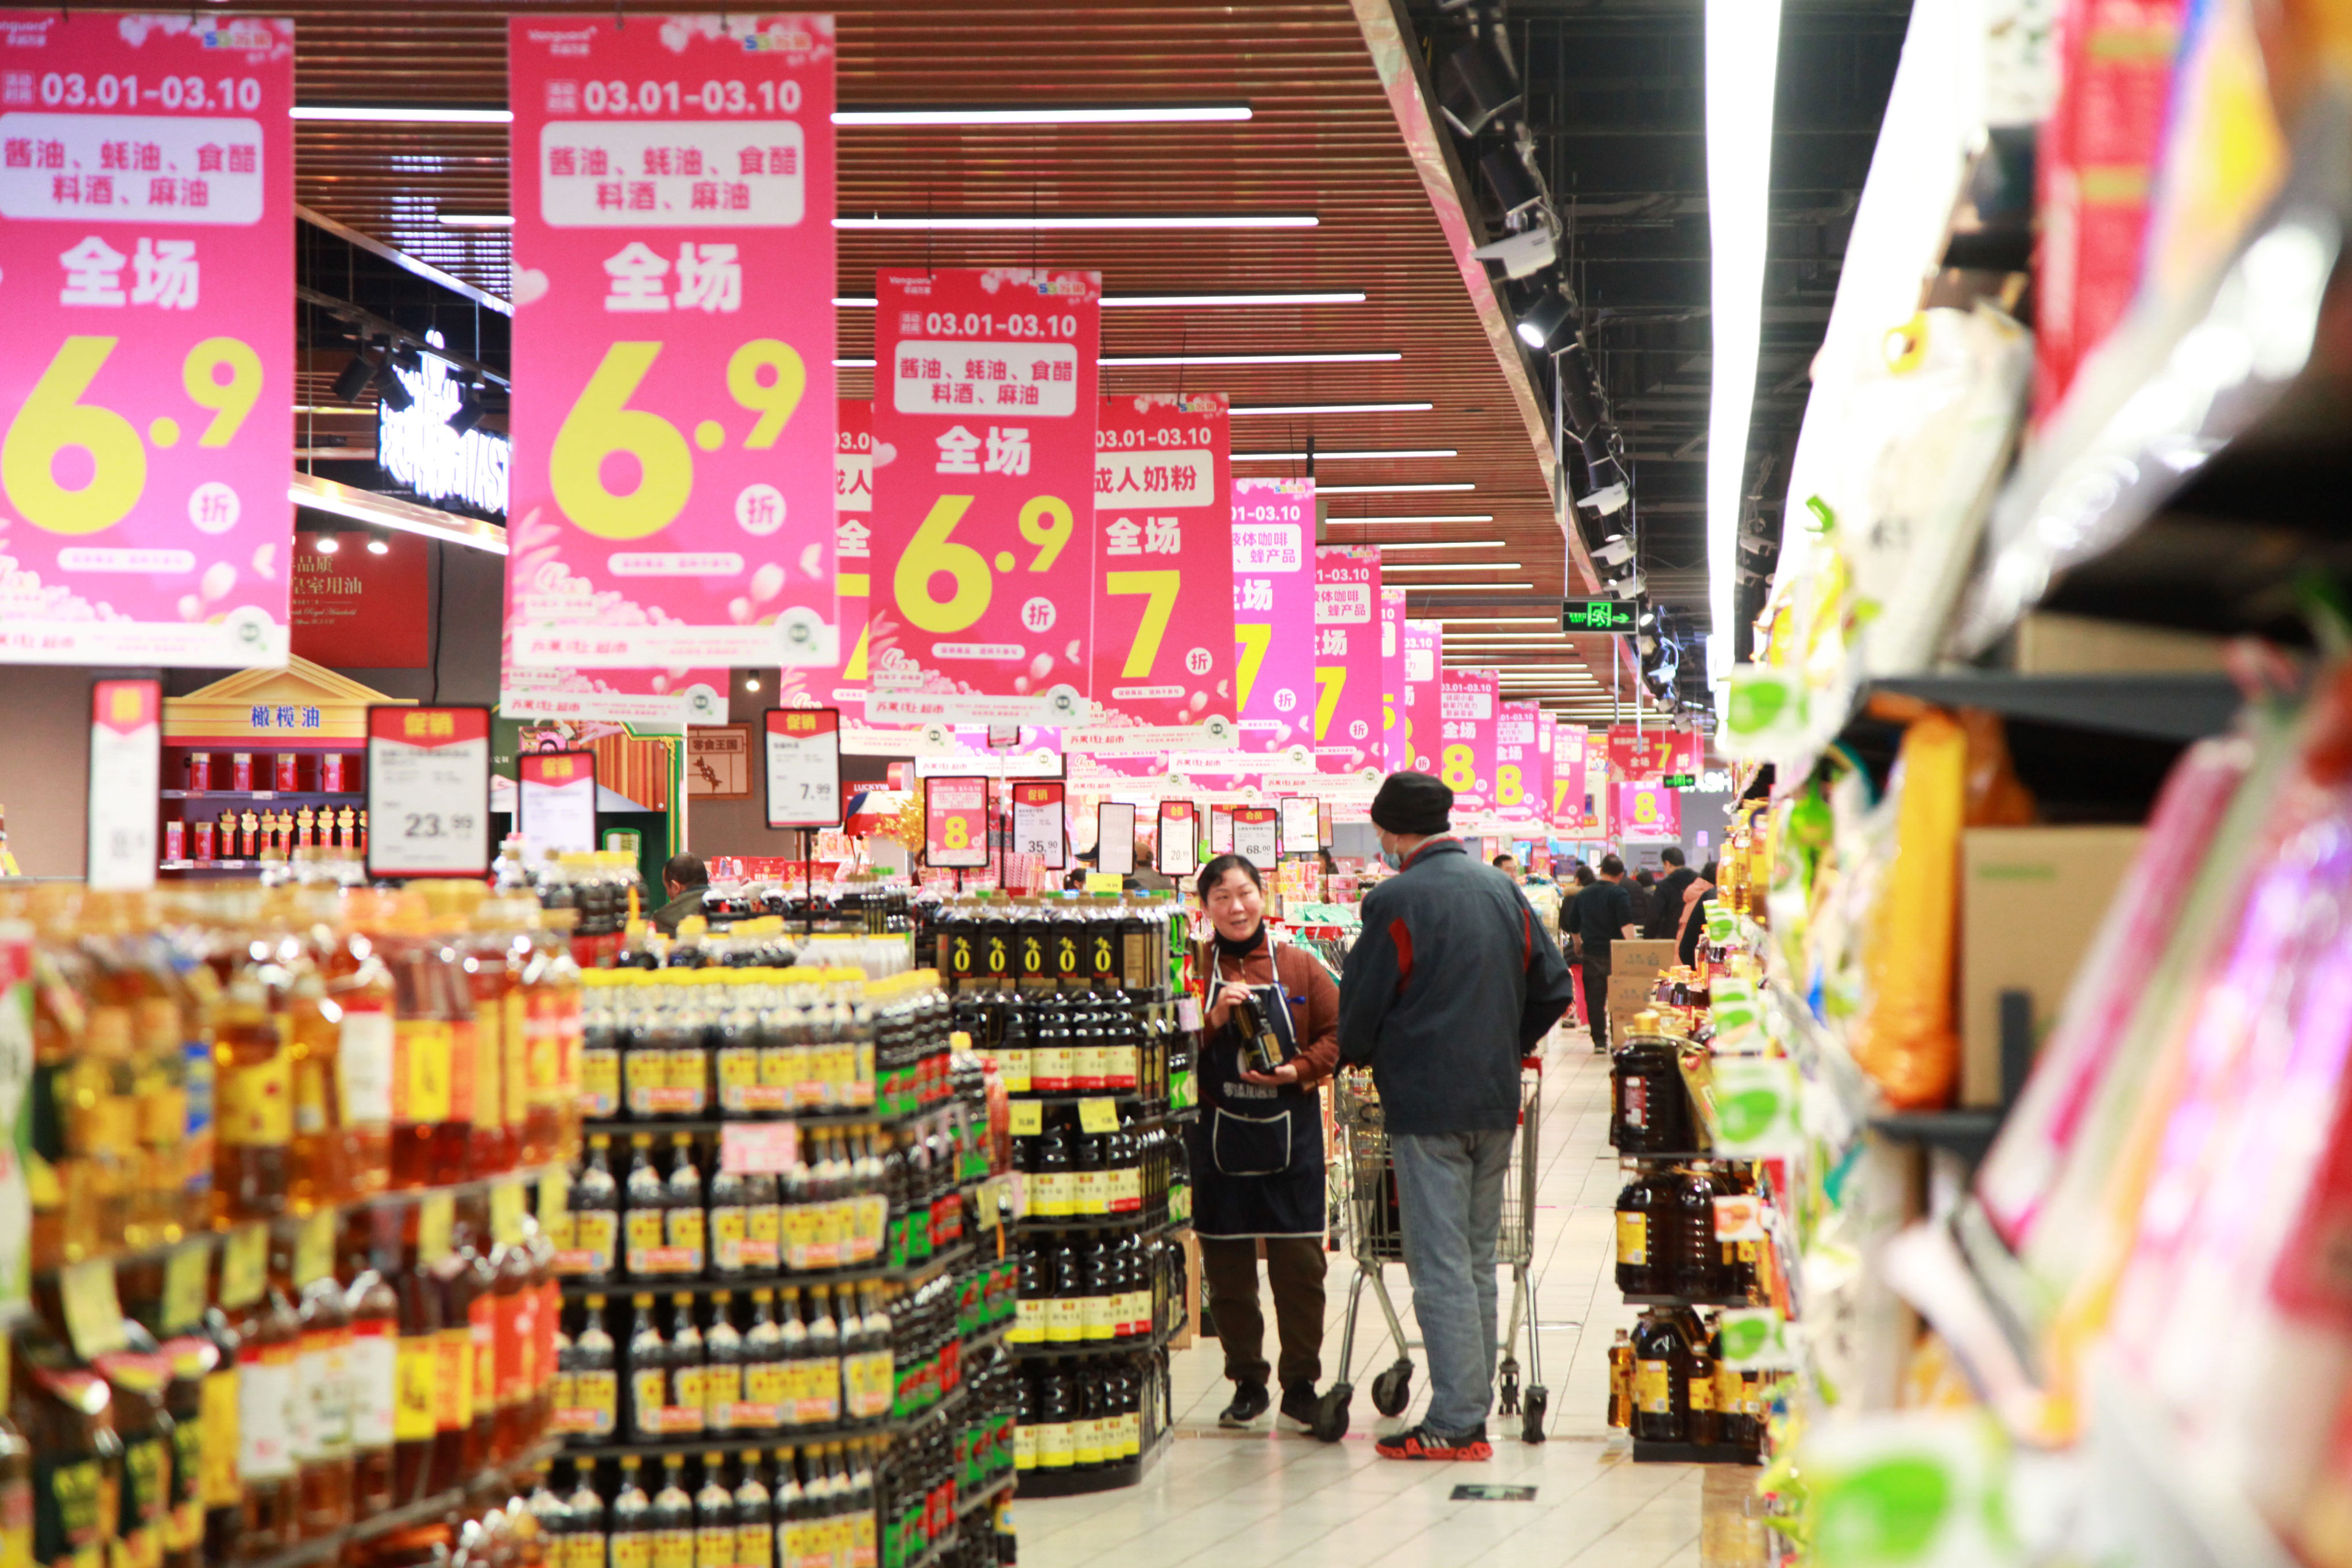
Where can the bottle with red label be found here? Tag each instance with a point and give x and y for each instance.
(359, 986)
(269, 1346)
(416, 1410)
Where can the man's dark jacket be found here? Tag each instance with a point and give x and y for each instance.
(1666, 904)
(1453, 980)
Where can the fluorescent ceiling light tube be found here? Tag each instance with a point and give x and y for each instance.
(411, 114)
(1045, 115)
(391, 511)
(1184, 302)
(1450, 566)
(1742, 54)
(1343, 456)
(1427, 544)
(1433, 517)
(1263, 408)
(477, 220)
(1489, 620)
(1044, 221)
(1384, 356)
(1467, 587)
(1384, 490)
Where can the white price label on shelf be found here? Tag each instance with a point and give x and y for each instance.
(126, 740)
(429, 786)
(557, 792)
(804, 767)
(1254, 835)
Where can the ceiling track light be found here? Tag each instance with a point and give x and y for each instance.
(351, 381)
(1547, 322)
(379, 541)
(469, 411)
(327, 541)
(1511, 182)
(394, 392)
(1476, 84)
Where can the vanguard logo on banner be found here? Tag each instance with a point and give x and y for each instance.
(984, 388)
(146, 391)
(1163, 674)
(1346, 659)
(673, 288)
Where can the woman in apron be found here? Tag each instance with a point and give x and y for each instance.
(1257, 1149)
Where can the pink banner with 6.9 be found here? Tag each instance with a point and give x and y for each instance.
(1163, 665)
(673, 265)
(146, 237)
(984, 388)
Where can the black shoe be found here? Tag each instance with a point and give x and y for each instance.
(1299, 1407)
(1249, 1402)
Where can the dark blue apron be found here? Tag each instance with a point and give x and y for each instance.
(1257, 1149)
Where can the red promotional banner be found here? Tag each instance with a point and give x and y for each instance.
(1519, 763)
(1274, 615)
(146, 390)
(1648, 811)
(842, 684)
(1424, 651)
(1393, 754)
(1468, 710)
(955, 822)
(1637, 752)
(984, 390)
(356, 607)
(674, 277)
(1164, 652)
(1346, 659)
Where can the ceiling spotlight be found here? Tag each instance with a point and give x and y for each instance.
(1580, 389)
(392, 390)
(750, 683)
(1511, 182)
(379, 542)
(406, 356)
(328, 542)
(469, 411)
(351, 381)
(1614, 551)
(1545, 322)
(1476, 84)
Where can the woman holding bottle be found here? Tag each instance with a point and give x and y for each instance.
(1257, 1149)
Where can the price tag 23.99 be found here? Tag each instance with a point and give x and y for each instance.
(428, 783)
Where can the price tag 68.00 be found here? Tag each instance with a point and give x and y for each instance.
(428, 782)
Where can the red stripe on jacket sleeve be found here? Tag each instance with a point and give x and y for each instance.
(1526, 938)
(1402, 937)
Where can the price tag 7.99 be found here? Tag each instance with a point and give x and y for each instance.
(428, 783)
(804, 755)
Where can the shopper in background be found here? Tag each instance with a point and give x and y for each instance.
(1451, 982)
(1257, 1147)
(1665, 922)
(1696, 898)
(1147, 878)
(1596, 919)
(1509, 866)
(684, 881)
(1639, 887)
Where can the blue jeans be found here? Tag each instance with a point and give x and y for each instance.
(1450, 1199)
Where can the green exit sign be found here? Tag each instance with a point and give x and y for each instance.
(1679, 781)
(1614, 615)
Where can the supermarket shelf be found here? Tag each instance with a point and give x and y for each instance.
(1001, 1487)
(1646, 1452)
(662, 1127)
(1048, 1352)
(704, 1284)
(328, 1548)
(765, 1436)
(2184, 482)
(1661, 1300)
(2181, 708)
(2154, 1502)
(1040, 1483)
(1033, 1226)
(1967, 1134)
(939, 1549)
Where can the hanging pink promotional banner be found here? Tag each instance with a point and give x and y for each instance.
(1519, 763)
(1597, 773)
(1567, 815)
(673, 290)
(1274, 617)
(1648, 812)
(984, 390)
(1346, 659)
(1163, 648)
(1392, 753)
(1424, 652)
(146, 376)
(842, 684)
(1638, 752)
(1546, 736)
(1468, 709)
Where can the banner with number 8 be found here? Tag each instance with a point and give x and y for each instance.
(672, 292)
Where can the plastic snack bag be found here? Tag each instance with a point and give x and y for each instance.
(1906, 1039)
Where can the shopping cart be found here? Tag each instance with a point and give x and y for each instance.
(1366, 1175)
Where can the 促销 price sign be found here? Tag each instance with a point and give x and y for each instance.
(146, 390)
(984, 575)
(804, 756)
(1163, 665)
(672, 292)
(428, 791)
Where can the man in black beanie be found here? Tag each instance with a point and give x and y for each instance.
(1451, 982)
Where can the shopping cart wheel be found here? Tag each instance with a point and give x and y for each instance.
(1332, 1412)
(1393, 1390)
(1506, 1388)
(1531, 1421)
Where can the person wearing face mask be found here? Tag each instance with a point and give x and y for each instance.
(1257, 1147)
(1451, 982)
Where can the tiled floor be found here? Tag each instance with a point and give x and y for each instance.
(1227, 1500)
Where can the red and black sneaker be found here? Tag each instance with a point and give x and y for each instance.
(1420, 1443)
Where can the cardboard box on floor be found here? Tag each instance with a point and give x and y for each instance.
(1628, 994)
(2031, 900)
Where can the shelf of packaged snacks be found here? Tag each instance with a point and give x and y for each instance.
(330, 1548)
(1042, 1483)
(1158, 1339)
(1967, 1134)
(704, 1284)
(529, 1177)
(1646, 1452)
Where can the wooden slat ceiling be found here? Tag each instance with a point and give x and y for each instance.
(1322, 140)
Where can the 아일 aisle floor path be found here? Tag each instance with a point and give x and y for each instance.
(1251, 1500)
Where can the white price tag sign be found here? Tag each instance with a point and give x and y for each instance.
(803, 749)
(428, 785)
(1254, 834)
(557, 792)
(1115, 838)
(1301, 825)
(1179, 849)
(1037, 823)
(126, 740)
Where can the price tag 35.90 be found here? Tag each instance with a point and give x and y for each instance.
(428, 783)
